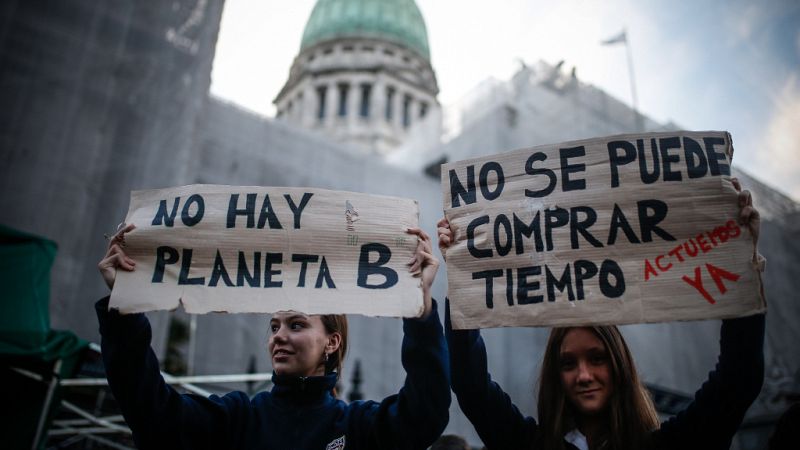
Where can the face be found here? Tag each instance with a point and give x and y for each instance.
(297, 343)
(586, 371)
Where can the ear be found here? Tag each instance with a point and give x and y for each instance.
(334, 342)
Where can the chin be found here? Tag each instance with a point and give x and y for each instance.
(282, 369)
(592, 408)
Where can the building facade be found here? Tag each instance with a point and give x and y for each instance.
(363, 75)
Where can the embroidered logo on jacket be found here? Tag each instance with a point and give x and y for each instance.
(336, 444)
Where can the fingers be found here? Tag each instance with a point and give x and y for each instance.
(424, 239)
(750, 217)
(423, 255)
(415, 264)
(736, 184)
(115, 261)
(113, 249)
(445, 235)
(421, 260)
(119, 236)
(108, 267)
(745, 199)
(116, 249)
(419, 233)
(117, 256)
(747, 214)
(129, 227)
(428, 259)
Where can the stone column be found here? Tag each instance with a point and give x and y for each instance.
(353, 96)
(309, 111)
(397, 112)
(377, 118)
(331, 100)
(378, 101)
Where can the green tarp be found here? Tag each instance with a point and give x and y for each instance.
(26, 340)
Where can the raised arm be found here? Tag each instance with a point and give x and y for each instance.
(415, 416)
(497, 420)
(718, 408)
(158, 415)
(419, 412)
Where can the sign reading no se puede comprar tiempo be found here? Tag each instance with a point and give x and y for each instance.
(622, 229)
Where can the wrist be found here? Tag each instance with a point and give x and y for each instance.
(427, 302)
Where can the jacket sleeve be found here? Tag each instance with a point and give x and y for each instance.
(497, 420)
(158, 415)
(416, 416)
(718, 408)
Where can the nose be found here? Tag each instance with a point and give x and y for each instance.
(584, 373)
(279, 336)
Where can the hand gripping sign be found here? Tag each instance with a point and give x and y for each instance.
(615, 230)
(265, 249)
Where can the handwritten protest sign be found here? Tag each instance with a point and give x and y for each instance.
(623, 229)
(266, 249)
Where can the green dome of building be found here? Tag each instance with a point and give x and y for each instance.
(398, 21)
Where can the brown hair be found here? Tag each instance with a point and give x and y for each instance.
(336, 323)
(631, 415)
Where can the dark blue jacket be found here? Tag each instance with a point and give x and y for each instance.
(298, 413)
(709, 422)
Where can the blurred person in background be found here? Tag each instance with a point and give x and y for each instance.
(450, 442)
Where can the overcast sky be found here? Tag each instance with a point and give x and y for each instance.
(706, 65)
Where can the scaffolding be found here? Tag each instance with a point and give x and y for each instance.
(75, 423)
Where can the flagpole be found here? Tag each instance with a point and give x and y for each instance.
(637, 117)
(623, 38)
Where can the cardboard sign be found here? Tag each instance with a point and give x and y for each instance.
(615, 230)
(267, 249)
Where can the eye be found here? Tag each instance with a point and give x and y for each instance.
(297, 325)
(598, 359)
(568, 364)
(273, 328)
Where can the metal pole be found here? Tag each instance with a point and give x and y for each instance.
(192, 344)
(209, 379)
(51, 388)
(638, 124)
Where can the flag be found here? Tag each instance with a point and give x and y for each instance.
(620, 38)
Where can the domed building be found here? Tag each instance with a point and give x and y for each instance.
(363, 75)
(82, 131)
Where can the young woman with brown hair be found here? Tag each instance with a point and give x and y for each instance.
(590, 395)
(300, 412)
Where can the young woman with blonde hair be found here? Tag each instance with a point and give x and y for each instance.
(590, 395)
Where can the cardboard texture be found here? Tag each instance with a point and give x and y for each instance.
(614, 230)
(266, 249)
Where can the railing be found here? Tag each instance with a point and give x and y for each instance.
(86, 425)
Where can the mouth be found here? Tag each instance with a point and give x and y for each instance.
(589, 392)
(281, 354)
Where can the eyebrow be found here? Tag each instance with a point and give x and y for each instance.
(598, 349)
(292, 317)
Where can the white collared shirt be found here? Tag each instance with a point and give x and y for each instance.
(576, 438)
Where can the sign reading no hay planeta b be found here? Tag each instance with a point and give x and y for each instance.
(267, 249)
